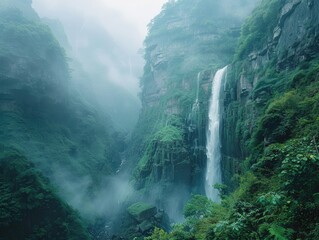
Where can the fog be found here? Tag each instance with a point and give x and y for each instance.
(115, 29)
(90, 200)
(239, 8)
(104, 42)
(102, 39)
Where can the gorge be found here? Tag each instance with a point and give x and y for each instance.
(210, 152)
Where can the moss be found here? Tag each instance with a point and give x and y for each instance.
(169, 134)
(277, 180)
(142, 211)
(258, 27)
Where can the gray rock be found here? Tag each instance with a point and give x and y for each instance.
(145, 226)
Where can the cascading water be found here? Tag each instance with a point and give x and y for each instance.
(196, 103)
(213, 172)
(197, 86)
(195, 108)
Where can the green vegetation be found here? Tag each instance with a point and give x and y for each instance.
(276, 127)
(277, 199)
(273, 120)
(139, 207)
(206, 41)
(258, 27)
(38, 115)
(60, 134)
(169, 134)
(141, 211)
(29, 207)
(292, 112)
(33, 42)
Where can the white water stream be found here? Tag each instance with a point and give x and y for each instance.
(196, 103)
(213, 172)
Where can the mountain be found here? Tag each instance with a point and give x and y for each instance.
(40, 115)
(225, 147)
(187, 42)
(269, 142)
(102, 73)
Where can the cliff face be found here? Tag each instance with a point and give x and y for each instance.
(187, 42)
(261, 71)
(269, 133)
(182, 48)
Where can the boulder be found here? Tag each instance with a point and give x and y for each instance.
(142, 211)
(145, 226)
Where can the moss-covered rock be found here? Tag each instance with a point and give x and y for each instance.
(142, 211)
(186, 43)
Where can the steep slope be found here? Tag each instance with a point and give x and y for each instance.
(270, 133)
(277, 51)
(29, 207)
(186, 44)
(101, 72)
(41, 117)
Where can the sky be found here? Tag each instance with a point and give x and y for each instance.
(123, 23)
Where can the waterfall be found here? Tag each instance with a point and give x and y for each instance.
(213, 172)
(193, 120)
(196, 103)
(197, 87)
(195, 108)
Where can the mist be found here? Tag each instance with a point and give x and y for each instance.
(103, 41)
(112, 31)
(80, 138)
(239, 8)
(93, 201)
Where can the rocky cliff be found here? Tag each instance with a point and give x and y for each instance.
(274, 45)
(270, 128)
(187, 42)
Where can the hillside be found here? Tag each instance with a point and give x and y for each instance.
(30, 207)
(187, 42)
(225, 147)
(40, 116)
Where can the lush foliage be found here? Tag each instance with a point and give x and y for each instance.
(295, 112)
(29, 207)
(55, 129)
(176, 50)
(258, 27)
(277, 197)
